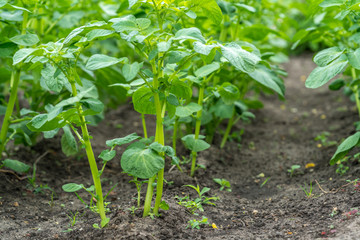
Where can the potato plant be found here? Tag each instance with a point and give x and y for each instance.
(341, 56)
(60, 62)
(176, 60)
(159, 54)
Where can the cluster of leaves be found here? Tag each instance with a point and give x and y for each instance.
(335, 25)
(186, 63)
(197, 204)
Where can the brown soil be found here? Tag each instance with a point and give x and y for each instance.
(282, 135)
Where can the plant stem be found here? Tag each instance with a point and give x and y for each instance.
(197, 129)
(144, 125)
(148, 198)
(15, 79)
(356, 90)
(159, 137)
(228, 129)
(91, 158)
(176, 125)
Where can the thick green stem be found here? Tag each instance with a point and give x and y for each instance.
(356, 91)
(228, 129)
(144, 125)
(92, 162)
(148, 198)
(24, 22)
(160, 138)
(176, 125)
(15, 79)
(197, 129)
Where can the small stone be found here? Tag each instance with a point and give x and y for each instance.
(16, 204)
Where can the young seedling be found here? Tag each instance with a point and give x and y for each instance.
(196, 224)
(342, 167)
(323, 138)
(197, 203)
(224, 184)
(138, 185)
(308, 190)
(293, 169)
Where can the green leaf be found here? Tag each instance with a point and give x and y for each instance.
(229, 93)
(196, 145)
(189, 34)
(222, 110)
(172, 99)
(53, 82)
(143, 101)
(246, 7)
(157, 147)
(72, 187)
(258, 32)
(98, 33)
(141, 163)
(142, 23)
(124, 140)
(3, 2)
(16, 165)
(210, 9)
(164, 46)
(132, 3)
(181, 89)
(40, 123)
(268, 78)
(207, 70)
(73, 34)
(331, 3)
(95, 105)
(25, 40)
(348, 144)
(326, 56)
(98, 61)
(354, 59)
(188, 110)
(126, 23)
(39, 120)
(107, 155)
(202, 48)
(130, 71)
(241, 59)
(69, 145)
(337, 84)
(321, 75)
(22, 54)
(164, 206)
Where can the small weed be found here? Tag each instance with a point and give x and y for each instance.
(224, 184)
(323, 138)
(293, 169)
(73, 217)
(341, 166)
(196, 224)
(334, 212)
(252, 146)
(263, 184)
(307, 189)
(197, 203)
(132, 209)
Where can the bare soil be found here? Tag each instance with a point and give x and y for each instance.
(281, 136)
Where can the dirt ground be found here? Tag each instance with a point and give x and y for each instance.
(265, 202)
